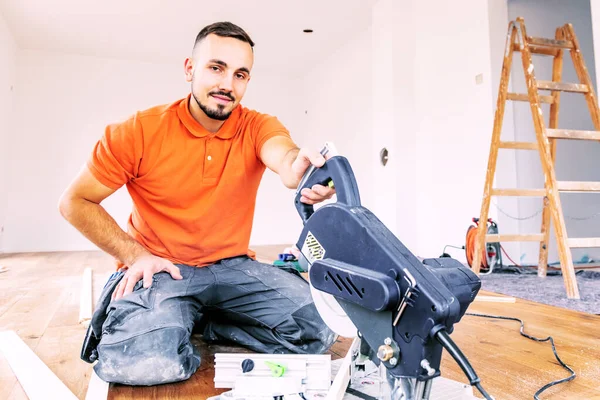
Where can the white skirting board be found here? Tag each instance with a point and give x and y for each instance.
(494, 299)
(342, 378)
(36, 379)
(97, 388)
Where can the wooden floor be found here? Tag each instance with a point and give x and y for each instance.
(39, 299)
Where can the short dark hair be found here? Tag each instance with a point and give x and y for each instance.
(224, 29)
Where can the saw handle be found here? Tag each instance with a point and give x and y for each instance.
(338, 170)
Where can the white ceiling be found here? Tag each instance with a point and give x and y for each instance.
(164, 31)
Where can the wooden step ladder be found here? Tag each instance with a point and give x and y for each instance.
(565, 40)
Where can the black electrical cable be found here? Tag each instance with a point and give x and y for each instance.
(549, 338)
(359, 394)
(445, 340)
(482, 391)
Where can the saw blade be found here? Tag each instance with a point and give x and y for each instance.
(329, 309)
(332, 313)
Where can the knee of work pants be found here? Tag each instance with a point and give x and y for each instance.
(146, 338)
(307, 331)
(162, 355)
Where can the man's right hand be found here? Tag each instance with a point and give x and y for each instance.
(144, 267)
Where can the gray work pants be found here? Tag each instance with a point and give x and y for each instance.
(145, 336)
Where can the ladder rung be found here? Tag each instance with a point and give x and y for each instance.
(583, 242)
(519, 192)
(536, 237)
(518, 145)
(547, 51)
(524, 97)
(571, 186)
(564, 44)
(563, 87)
(572, 134)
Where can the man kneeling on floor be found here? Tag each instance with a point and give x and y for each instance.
(192, 169)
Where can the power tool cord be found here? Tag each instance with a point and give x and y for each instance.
(445, 340)
(549, 338)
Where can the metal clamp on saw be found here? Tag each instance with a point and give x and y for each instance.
(365, 282)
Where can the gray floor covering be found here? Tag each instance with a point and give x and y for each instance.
(549, 290)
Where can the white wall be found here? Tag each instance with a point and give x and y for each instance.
(63, 103)
(504, 210)
(436, 121)
(8, 56)
(427, 111)
(576, 160)
(393, 119)
(361, 99)
(337, 106)
(74, 97)
(454, 119)
(595, 16)
(275, 218)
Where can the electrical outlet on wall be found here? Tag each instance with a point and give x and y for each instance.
(479, 79)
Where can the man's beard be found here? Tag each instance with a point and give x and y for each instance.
(219, 113)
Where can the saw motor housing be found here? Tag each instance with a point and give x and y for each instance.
(397, 302)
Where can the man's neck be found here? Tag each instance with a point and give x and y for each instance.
(211, 125)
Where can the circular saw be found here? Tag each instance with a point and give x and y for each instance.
(366, 283)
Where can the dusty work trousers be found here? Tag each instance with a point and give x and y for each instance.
(145, 336)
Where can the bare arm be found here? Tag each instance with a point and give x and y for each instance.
(80, 205)
(283, 157)
(278, 154)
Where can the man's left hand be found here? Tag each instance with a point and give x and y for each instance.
(317, 193)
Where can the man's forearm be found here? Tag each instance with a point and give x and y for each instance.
(98, 226)
(288, 176)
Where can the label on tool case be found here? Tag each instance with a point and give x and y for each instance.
(312, 249)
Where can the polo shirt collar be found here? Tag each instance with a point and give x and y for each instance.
(227, 130)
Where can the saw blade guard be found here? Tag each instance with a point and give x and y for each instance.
(336, 170)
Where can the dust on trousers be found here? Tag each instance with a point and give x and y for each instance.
(144, 338)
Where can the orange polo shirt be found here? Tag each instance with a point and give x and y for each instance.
(193, 192)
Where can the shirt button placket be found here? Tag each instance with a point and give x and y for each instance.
(208, 150)
(209, 167)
